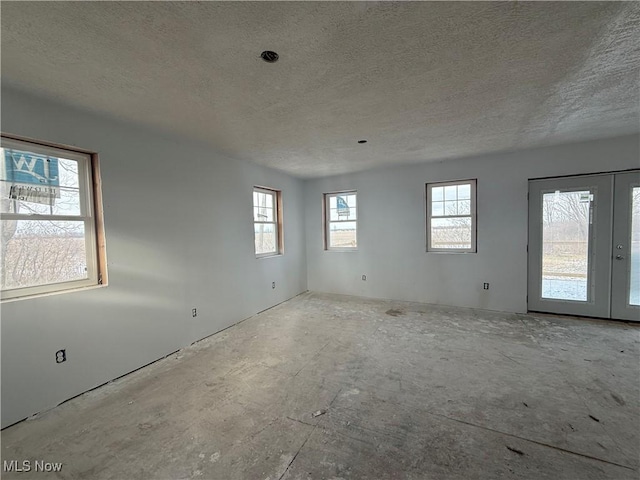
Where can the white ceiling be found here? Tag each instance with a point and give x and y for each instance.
(420, 81)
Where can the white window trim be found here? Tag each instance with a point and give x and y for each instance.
(473, 216)
(90, 198)
(277, 223)
(327, 222)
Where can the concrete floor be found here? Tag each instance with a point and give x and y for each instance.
(408, 391)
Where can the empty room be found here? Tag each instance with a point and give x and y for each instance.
(320, 240)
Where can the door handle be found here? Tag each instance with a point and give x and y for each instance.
(619, 257)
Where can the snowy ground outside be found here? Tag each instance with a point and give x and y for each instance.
(566, 288)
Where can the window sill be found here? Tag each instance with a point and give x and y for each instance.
(271, 255)
(455, 252)
(48, 294)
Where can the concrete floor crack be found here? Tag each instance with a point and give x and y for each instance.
(535, 442)
(300, 421)
(312, 358)
(335, 396)
(296, 454)
(507, 356)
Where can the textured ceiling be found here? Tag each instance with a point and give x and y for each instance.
(420, 81)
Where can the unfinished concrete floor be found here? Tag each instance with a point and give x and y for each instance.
(407, 391)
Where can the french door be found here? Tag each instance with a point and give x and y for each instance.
(584, 245)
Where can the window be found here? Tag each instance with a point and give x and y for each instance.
(341, 221)
(451, 216)
(50, 219)
(267, 223)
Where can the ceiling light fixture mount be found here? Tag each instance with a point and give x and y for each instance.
(269, 56)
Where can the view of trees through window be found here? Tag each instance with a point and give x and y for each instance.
(565, 244)
(41, 241)
(265, 221)
(451, 216)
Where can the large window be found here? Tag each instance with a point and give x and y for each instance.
(267, 221)
(341, 221)
(51, 228)
(451, 216)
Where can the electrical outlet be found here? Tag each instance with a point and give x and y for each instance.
(194, 312)
(364, 278)
(486, 286)
(273, 284)
(61, 356)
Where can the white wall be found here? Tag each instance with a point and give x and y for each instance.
(392, 232)
(179, 230)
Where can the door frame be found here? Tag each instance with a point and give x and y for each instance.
(601, 240)
(598, 302)
(621, 309)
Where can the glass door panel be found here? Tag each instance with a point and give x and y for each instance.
(565, 245)
(634, 255)
(625, 256)
(569, 241)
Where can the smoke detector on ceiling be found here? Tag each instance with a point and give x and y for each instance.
(269, 56)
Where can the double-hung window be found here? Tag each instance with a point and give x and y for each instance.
(341, 221)
(267, 221)
(50, 219)
(451, 216)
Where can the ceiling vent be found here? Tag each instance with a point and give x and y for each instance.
(269, 56)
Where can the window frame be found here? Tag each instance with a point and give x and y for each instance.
(277, 221)
(472, 215)
(91, 214)
(327, 221)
